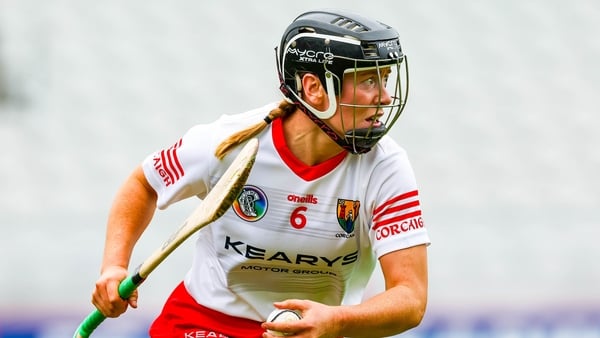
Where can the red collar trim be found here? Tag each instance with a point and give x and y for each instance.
(306, 172)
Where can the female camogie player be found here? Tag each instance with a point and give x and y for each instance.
(329, 194)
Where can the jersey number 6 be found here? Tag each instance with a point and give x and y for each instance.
(297, 219)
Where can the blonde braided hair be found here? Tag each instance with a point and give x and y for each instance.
(241, 136)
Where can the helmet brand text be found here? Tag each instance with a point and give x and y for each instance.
(309, 55)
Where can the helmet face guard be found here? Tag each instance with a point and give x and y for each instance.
(363, 139)
(337, 47)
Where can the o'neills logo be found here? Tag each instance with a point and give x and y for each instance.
(310, 198)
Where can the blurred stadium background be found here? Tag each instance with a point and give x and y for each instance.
(502, 127)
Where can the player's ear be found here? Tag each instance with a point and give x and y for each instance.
(313, 91)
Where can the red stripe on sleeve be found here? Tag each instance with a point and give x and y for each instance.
(394, 200)
(397, 209)
(166, 167)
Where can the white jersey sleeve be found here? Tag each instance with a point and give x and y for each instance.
(396, 218)
(186, 168)
(175, 173)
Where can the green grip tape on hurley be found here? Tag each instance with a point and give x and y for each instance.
(94, 319)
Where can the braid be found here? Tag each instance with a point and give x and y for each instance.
(284, 108)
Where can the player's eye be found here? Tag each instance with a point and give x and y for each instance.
(369, 83)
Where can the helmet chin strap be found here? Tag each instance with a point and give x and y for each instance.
(359, 144)
(341, 141)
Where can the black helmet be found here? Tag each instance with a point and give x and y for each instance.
(330, 43)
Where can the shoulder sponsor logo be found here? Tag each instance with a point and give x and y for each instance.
(252, 204)
(398, 215)
(399, 227)
(167, 165)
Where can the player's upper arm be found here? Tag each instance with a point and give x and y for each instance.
(406, 267)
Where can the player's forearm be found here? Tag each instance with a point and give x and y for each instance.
(129, 216)
(391, 312)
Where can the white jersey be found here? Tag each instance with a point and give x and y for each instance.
(295, 231)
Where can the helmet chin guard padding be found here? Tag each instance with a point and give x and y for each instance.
(334, 43)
